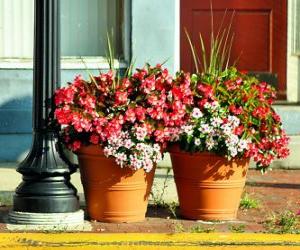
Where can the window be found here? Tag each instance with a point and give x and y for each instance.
(84, 25)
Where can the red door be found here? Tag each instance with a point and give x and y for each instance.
(260, 34)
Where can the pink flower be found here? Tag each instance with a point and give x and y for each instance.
(159, 135)
(148, 84)
(130, 115)
(64, 95)
(63, 115)
(81, 123)
(206, 90)
(121, 98)
(235, 110)
(75, 145)
(94, 139)
(239, 130)
(140, 113)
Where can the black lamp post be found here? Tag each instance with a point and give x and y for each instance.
(46, 186)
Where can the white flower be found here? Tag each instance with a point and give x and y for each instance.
(188, 129)
(242, 145)
(148, 165)
(128, 143)
(216, 121)
(214, 105)
(121, 158)
(210, 143)
(233, 151)
(197, 113)
(156, 147)
(141, 133)
(197, 141)
(233, 120)
(205, 128)
(227, 130)
(207, 105)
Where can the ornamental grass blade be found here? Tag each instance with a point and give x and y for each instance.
(229, 50)
(193, 50)
(88, 71)
(225, 55)
(203, 53)
(110, 57)
(128, 71)
(219, 65)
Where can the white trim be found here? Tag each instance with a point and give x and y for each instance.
(66, 63)
(293, 61)
(295, 25)
(177, 37)
(127, 30)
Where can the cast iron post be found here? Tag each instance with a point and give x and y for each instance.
(46, 186)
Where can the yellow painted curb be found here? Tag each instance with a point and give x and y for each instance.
(80, 241)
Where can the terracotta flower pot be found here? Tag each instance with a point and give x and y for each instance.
(209, 187)
(112, 193)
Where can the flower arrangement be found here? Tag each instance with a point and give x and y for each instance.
(131, 118)
(232, 116)
(232, 112)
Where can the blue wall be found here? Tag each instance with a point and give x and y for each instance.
(16, 110)
(153, 32)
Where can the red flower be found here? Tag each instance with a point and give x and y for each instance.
(130, 115)
(177, 93)
(239, 130)
(206, 90)
(121, 98)
(75, 145)
(202, 102)
(94, 139)
(140, 113)
(235, 110)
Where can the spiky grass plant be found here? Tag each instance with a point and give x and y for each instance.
(216, 59)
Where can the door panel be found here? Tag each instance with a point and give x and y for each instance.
(259, 28)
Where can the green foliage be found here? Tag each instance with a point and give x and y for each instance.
(158, 197)
(5, 199)
(285, 222)
(179, 228)
(201, 229)
(237, 228)
(249, 203)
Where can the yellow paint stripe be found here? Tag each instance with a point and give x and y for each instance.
(80, 241)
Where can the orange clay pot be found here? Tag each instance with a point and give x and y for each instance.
(112, 193)
(209, 187)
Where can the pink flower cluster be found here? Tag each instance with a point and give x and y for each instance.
(160, 103)
(146, 107)
(134, 118)
(269, 149)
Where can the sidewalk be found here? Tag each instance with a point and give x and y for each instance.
(276, 193)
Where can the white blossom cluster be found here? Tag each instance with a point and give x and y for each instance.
(213, 128)
(132, 153)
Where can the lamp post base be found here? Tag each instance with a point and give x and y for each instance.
(73, 218)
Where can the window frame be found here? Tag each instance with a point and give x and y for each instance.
(75, 62)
